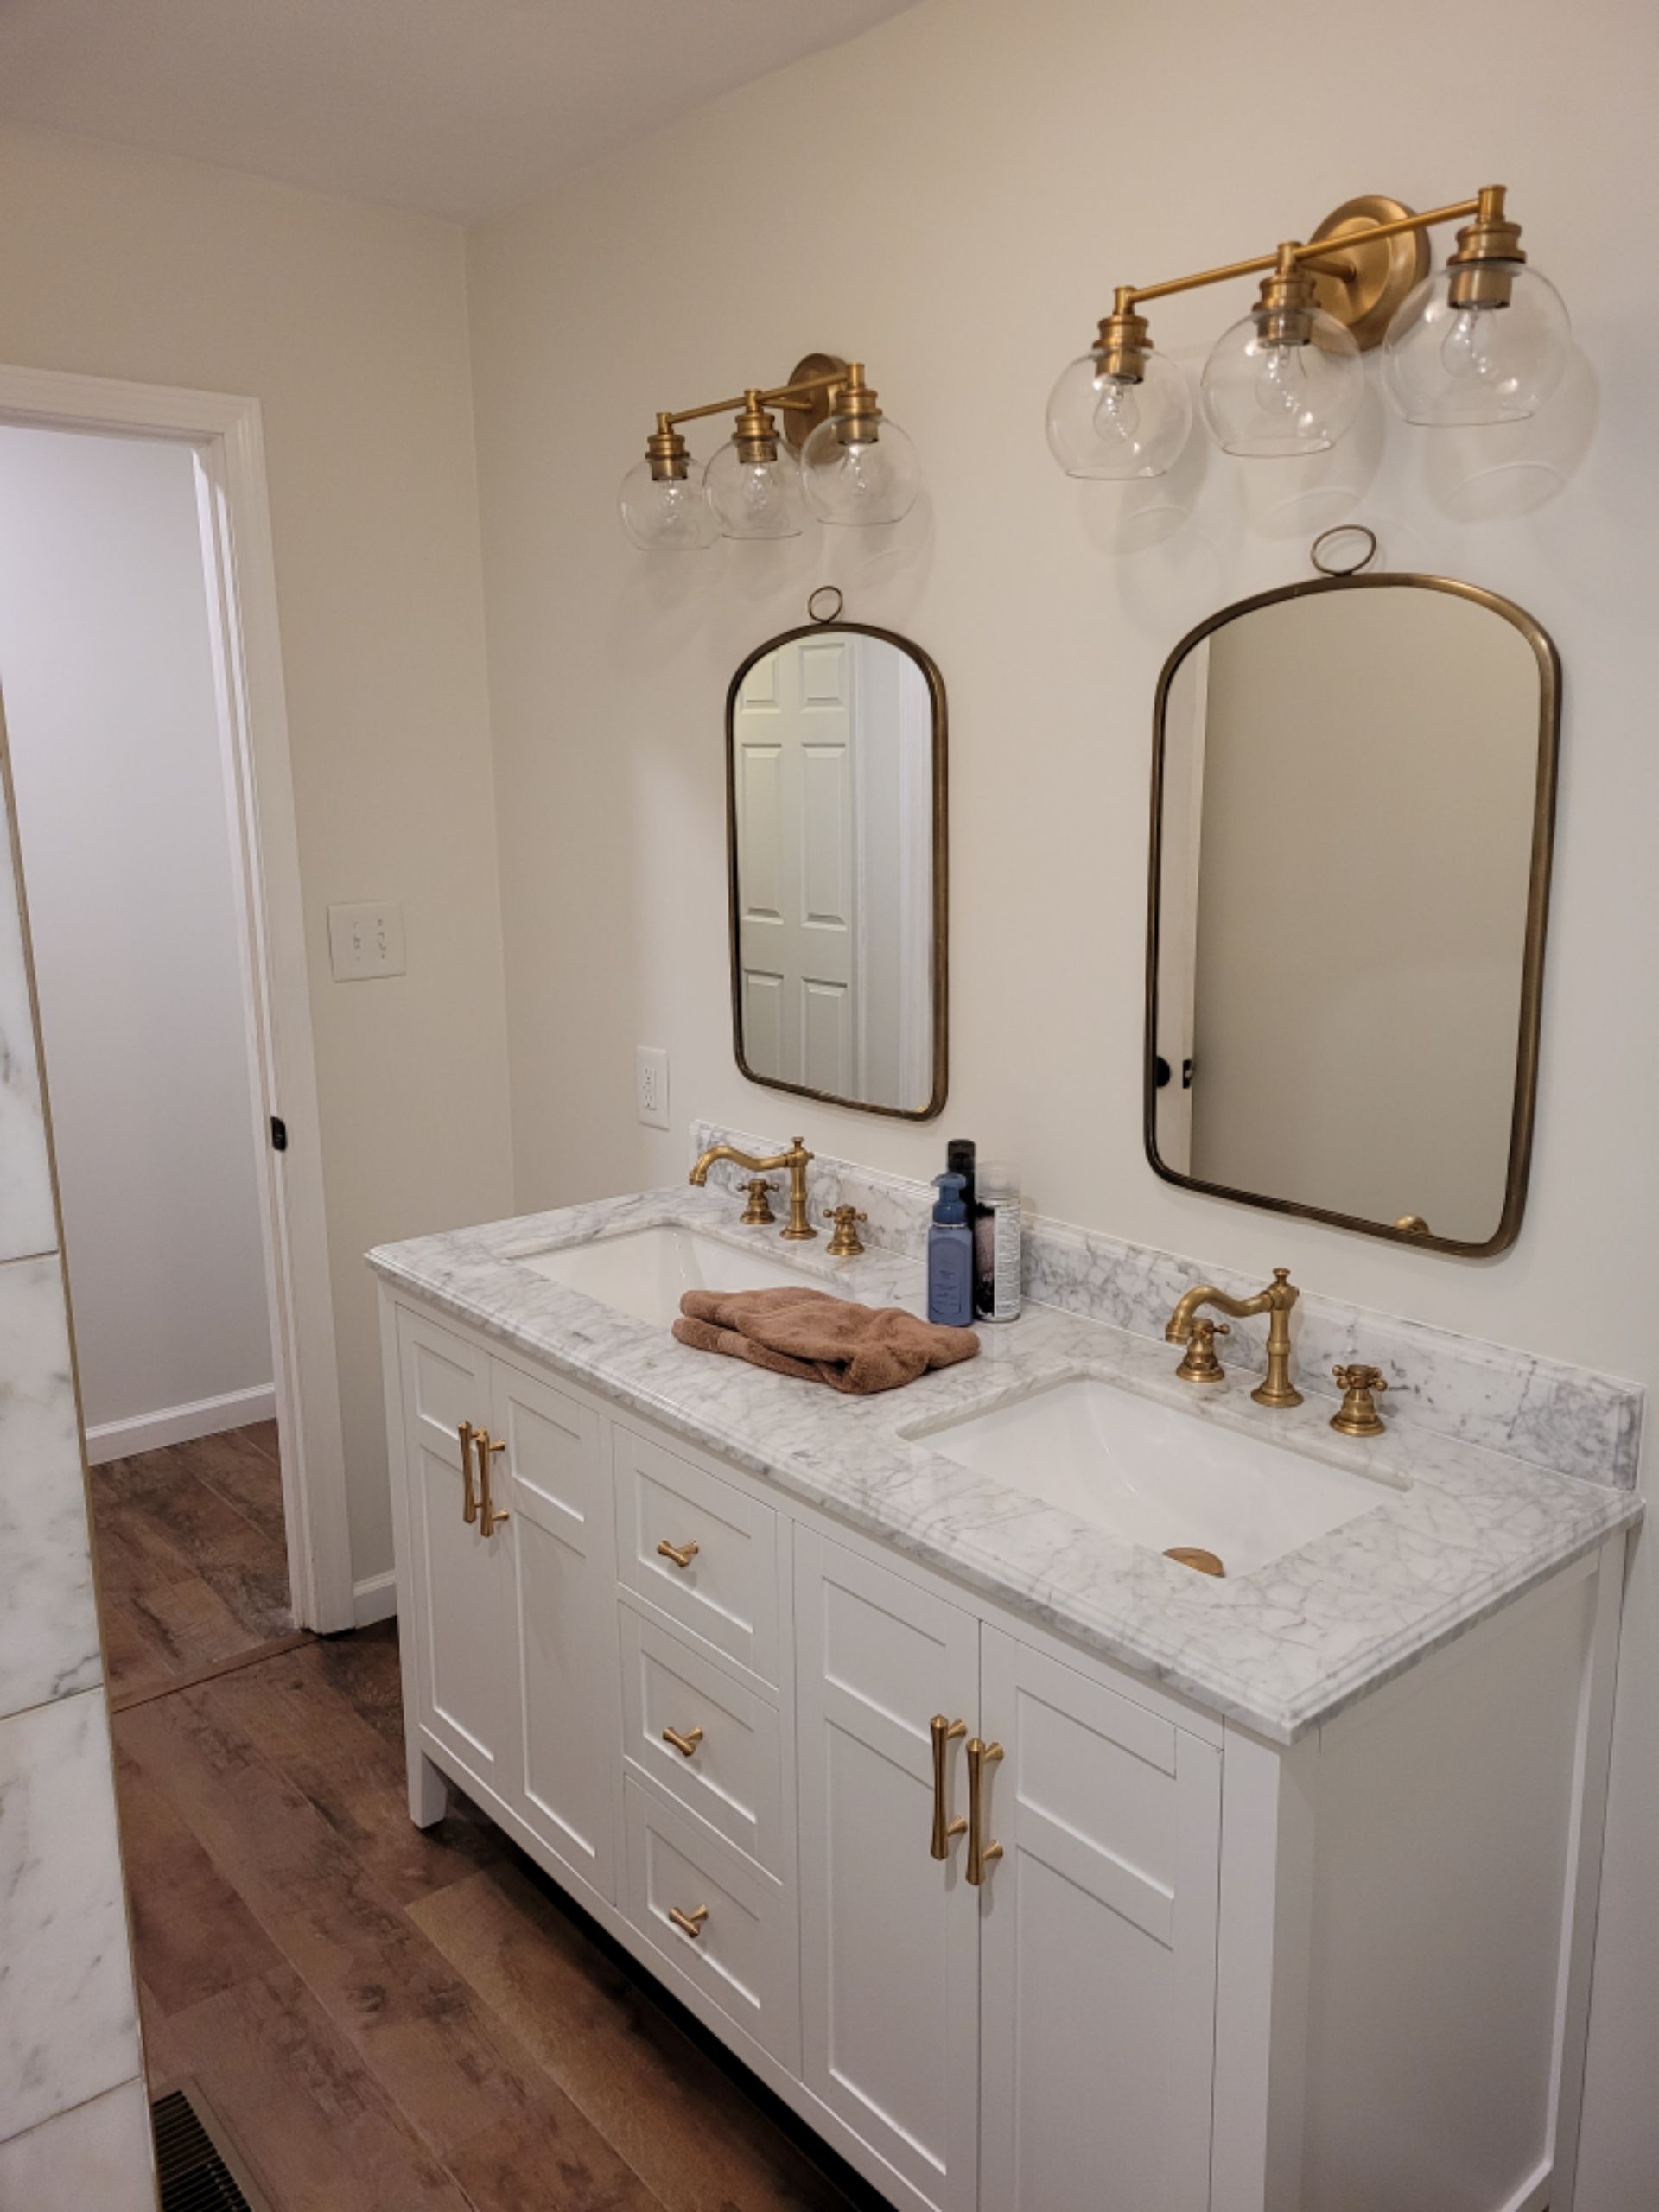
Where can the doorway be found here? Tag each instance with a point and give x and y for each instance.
(106, 650)
(154, 818)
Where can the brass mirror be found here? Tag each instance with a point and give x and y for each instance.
(836, 811)
(1353, 793)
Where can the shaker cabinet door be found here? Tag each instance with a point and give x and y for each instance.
(889, 1941)
(1097, 1945)
(551, 1477)
(461, 1624)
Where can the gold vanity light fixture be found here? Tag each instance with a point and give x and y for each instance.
(855, 465)
(1484, 340)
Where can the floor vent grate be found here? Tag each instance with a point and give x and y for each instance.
(191, 2164)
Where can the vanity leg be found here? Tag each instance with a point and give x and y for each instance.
(428, 1790)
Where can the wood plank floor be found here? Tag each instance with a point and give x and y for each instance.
(390, 2020)
(192, 1561)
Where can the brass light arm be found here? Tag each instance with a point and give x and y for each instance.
(1316, 254)
(781, 395)
(822, 386)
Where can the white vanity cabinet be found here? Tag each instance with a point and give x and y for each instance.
(1202, 1973)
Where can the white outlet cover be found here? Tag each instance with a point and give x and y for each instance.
(651, 1085)
(366, 942)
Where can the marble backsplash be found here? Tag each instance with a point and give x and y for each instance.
(1569, 1419)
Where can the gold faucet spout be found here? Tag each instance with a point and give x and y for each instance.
(1280, 1294)
(796, 1159)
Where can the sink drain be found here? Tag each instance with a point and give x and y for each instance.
(1192, 1556)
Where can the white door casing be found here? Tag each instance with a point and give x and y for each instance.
(225, 435)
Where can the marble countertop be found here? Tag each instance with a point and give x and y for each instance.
(1459, 1530)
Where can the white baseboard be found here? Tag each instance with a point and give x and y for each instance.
(375, 1598)
(119, 1439)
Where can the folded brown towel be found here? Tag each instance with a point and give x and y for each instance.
(858, 1349)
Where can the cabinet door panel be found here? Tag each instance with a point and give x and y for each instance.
(552, 1474)
(889, 1941)
(1098, 1957)
(460, 1625)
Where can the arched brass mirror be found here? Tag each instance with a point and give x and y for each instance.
(1353, 795)
(835, 812)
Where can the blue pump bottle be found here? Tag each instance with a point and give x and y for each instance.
(951, 1257)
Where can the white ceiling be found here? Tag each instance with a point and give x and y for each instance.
(457, 106)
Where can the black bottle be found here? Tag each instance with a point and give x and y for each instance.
(959, 1156)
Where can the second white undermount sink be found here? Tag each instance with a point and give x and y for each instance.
(1158, 1477)
(643, 1273)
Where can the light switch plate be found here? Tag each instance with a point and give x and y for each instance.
(366, 941)
(651, 1085)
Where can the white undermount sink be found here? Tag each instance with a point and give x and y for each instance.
(1158, 1477)
(642, 1272)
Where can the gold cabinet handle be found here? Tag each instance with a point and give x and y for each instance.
(685, 1745)
(688, 1924)
(682, 1555)
(465, 1432)
(943, 1732)
(979, 1853)
(490, 1515)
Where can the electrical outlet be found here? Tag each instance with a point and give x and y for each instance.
(651, 1085)
(366, 942)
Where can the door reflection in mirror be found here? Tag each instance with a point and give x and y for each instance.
(1352, 845)
(836, 818)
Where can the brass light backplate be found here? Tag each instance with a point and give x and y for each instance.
(1385, 271)
(800, 420)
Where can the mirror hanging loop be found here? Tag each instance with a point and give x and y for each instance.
(1344, 530)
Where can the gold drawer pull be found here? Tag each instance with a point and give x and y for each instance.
(688, 1924)
(979, 1853)
(468, 1495)
(682, 1555)
(490, 1515)
(943, 1732)
(685, 1745)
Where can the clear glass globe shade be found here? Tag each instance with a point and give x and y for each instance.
(670, 517)
(1267, 400)
(755, 498)
(862, 480)
(1445, 365)
(1105, 426)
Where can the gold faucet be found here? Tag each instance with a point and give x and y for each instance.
(1277, 1300)
(798, 1159)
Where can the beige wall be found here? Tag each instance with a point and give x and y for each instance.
(1004, 167)
(348, 323)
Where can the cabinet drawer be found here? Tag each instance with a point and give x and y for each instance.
(742, 1955)
(733, 1777)
(723, 1584)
